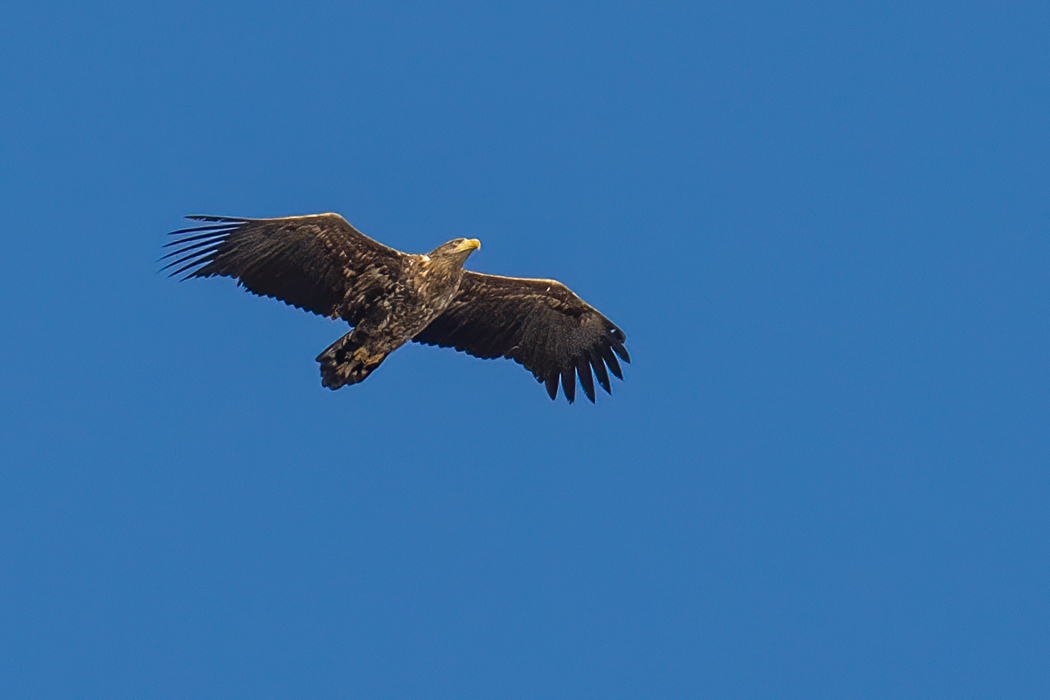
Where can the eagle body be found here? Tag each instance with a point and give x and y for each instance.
(321, 264)
(430, 283)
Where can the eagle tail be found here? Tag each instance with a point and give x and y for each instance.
(349, 360)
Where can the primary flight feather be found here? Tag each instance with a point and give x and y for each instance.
(322, 264)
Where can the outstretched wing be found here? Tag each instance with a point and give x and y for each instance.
(540, 324)
(319, 263)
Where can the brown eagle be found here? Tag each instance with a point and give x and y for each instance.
(320, 263)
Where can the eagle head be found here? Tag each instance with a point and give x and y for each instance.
(456, 250)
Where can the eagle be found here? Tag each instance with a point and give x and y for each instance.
(322, 264)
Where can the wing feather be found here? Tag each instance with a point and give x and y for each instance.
(583, 371)
(599, 371)
(319, 263)
(610, 359)
(538, 323)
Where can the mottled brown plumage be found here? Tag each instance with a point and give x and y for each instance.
(322, 264)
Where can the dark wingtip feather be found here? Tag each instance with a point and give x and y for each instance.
(189, 239)
(568, 382)
(583, 371)
(190, 246)
(196, 263)
(620, 350)
(552, 386)
(610, 359)
(209, 217)
(194, 229)
(600, 373)
(196, 257)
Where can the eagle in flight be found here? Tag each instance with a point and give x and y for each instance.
(322, 264)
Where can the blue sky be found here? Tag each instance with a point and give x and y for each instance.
(822, 226)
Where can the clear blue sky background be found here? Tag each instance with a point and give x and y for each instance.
(822, 225)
